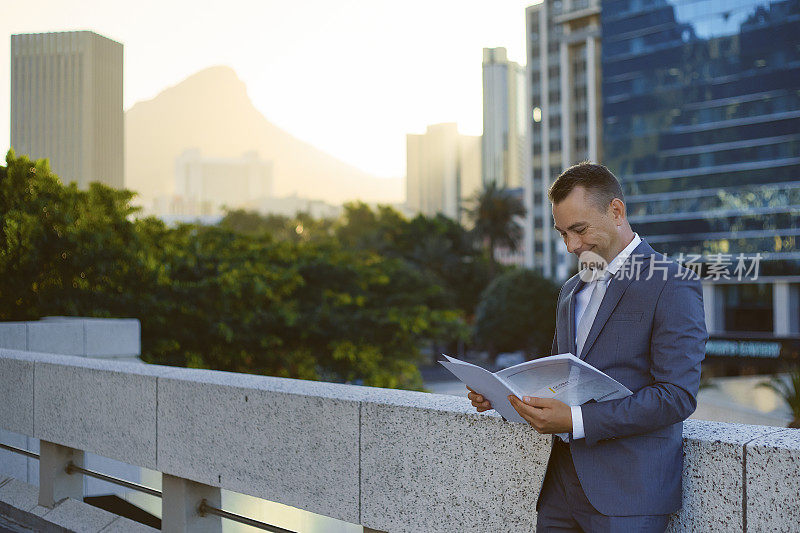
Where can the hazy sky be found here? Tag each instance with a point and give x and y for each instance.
(350, 77)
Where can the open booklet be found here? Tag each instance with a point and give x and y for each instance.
(563, 377)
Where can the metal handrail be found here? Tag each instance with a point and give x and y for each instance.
(71, 468)
(204, 509)
(19, 451)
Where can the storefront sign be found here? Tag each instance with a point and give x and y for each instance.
(762, 349)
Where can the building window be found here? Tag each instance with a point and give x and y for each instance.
(748, 307)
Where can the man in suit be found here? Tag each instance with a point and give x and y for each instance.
(616, 465)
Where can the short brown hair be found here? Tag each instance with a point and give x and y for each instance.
(598, 181)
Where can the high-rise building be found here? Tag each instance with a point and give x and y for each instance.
(504, 141)
(443, 170)
(563, 71)
(66, 104)
(701, 110)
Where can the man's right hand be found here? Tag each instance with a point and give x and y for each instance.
(479, 402)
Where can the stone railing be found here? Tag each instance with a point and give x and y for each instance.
(99, 338)
(390, 460)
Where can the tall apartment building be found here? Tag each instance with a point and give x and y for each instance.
(443, 170)
(204, 185)
(563, 71)
(504, 142)
(701, 110)
(66, 104)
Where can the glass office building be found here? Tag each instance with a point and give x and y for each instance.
(701, 122)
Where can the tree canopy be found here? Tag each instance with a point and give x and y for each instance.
(495, 214)
(221, 297)
(517, 312)
(353, 299)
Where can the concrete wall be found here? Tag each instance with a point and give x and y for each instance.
(88, 337)
(390, 460)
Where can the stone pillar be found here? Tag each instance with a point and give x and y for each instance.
(785, 308)
(560, 254)
(527, 188)
(54, 482)
(714, 305)
(179, 502)
(591, 100)
(565, 69)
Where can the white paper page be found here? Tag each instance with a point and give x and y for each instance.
(563, 377)
(487, 385)
(454, 360)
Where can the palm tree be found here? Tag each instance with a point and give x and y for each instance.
(494, 212)
(789, 391)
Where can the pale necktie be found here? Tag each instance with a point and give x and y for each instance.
(598, 291)
(587, 319)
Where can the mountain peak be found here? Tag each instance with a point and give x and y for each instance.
(206, 84)
(211, 111)
(221, 76)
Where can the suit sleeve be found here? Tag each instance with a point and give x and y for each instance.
(677, 348)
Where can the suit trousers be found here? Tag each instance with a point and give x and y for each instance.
(563, 506)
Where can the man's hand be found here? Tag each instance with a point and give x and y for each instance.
(479, 402)
(546, 415)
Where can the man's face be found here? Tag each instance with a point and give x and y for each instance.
(584, 226)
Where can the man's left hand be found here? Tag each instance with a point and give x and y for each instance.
(546, 415)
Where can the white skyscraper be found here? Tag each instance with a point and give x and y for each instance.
(563, 72)
(443, 170)
(504, 144)
(66, 104)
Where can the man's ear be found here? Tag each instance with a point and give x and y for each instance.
(618, 211)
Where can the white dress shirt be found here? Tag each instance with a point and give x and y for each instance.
(581, 301)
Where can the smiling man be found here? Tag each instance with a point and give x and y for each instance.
(616, 465)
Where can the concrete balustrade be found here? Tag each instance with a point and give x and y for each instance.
(98, 338)
(290, 441)
(390, 460)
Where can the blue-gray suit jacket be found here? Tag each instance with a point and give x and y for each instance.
(650, 335)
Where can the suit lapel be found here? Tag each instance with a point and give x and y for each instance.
(616, 288)
(571, 316)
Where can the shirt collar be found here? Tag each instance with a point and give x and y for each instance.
(621, 257)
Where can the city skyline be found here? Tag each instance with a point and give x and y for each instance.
(347, 63)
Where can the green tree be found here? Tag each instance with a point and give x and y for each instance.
(301, 227)
(494, 214)
(449, 270)
(517, 311)
(445, 249)
(789, 391)
(65, 251)
(215, 297)
(441, 248)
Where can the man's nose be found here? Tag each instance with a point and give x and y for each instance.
(573, 243)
